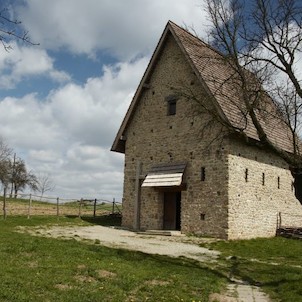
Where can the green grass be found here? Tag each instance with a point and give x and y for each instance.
(45, 269)
(273, 264)
(20, 206)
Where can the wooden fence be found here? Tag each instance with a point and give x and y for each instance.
(289, 220)
(289, 225)
(32, 205)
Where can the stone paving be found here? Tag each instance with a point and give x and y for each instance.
(240, 293)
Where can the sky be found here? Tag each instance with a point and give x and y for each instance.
(62, 101)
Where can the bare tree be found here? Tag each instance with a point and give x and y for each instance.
(5, 150)
(20, 178)
(5, 153)
(11, 28)
(44, 184)
(260, 45)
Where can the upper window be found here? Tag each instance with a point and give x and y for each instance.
(172, 107)
(171, 104)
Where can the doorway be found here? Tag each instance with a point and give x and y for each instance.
(172, 210)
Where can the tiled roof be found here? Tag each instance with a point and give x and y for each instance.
(214, 75)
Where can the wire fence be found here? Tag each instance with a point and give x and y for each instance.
(33, 205)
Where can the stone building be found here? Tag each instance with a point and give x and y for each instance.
(181, 172)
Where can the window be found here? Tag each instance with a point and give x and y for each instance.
(246, 174)
(171, 104)
(172, 107)
(263, 179)
(203, 174)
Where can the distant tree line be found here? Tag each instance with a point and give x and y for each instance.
(15, 177)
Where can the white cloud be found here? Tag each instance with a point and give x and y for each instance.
(25, 61)
(93, 111)
(69, 134)
(124, 28)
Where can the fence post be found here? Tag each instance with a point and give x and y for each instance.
(113, 206)
(94, 208)
(80, 207)
(58, 212)
(4, 203)
(29, 207)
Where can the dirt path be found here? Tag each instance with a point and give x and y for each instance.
(173, 246)
(164, 245)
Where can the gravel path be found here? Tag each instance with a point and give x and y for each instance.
(173, 246)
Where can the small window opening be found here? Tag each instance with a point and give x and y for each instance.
(263, 179)
(202, 216)
(203, 174)
(246, 175)
(278, 180)
(171, 103)
(172, 107)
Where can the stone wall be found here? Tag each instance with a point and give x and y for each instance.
(230, 202)
(260, 187)
(154, 137)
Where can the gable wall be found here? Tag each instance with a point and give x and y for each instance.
(254, 207)
(152, 137)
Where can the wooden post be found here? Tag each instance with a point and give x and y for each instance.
(29, 207)
(113, 205)
(4, 203)
(13, 176)
(94, 208)
(80, 207)
(137, 196)
(58, 212)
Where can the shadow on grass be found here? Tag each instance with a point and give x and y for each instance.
(105, 220)
(173, 263)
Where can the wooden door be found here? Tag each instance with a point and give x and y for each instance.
(172, 210)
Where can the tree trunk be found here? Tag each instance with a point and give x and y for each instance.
(297, 174)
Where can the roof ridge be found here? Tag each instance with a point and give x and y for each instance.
(173, 24)
(212, 73)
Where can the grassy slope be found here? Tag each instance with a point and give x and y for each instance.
(274, 264)
(45, 269)
(40, 269)
(21, 207)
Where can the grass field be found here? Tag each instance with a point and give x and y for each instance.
(273, 264)
(46, 269)
(21, 207)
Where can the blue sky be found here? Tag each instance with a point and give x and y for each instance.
(62, 102)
